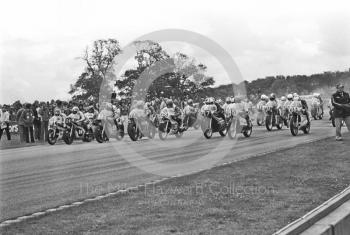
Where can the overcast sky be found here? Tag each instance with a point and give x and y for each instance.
(40, 40)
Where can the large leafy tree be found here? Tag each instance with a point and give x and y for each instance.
(186, 78)
(99, 60)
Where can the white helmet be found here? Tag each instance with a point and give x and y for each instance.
(228, 100)
(211, 100)
(75, 109)
(290, 96)
(233, 99)
(296, 98)
(295, 94)
(263, 97)
(283, 98)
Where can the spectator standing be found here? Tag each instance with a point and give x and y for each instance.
(44, 113)
(5, 122)
(20, 123)
(341, 103)
(37, 121)
(27, 118)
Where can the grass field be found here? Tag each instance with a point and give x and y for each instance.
(254, 196)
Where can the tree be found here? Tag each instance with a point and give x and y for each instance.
(99, 62)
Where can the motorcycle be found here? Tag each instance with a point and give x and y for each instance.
(140, 127)
(316, 111)
(272, 119)
(74, 130)
(211, 124)
(192, 120)
(237, 123)
(101, 126)
(168, 126)
(55, 132)
(119, 128)
(285, 115)
(298, 121)
(260, 116)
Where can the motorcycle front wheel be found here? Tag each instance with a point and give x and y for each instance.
(99, 136)
(132, 132)
(248, 130)
(306, 129)
(268, 123)
(52, 139)
(120, 133)
(294, 126)
(67, 138)
(232, 130)
(152, 131)
(208, 133)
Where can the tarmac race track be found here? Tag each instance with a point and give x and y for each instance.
(36, 178)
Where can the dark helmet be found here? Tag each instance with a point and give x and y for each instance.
(272, 96)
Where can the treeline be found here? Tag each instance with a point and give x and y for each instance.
(282, 85)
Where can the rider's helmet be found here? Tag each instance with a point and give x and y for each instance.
(283, 98)
(290, 97)
(296, 98)
(211, 100)
(228, 100)
(295, 94)
(219, 101)
(233, 100)
(57, 112)
(190, 102)
(262, 97)
(75, 109)
(272, 96)
(169, 103)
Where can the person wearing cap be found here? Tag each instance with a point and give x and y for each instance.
(341, 103)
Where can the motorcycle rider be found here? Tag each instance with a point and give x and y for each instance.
(298, 102)
(78, 117)
(261, 104)
(172, 112)
(58, 118)
(189, 111)
(106, 115)
(227, 103)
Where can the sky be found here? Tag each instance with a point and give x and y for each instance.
(41, 41)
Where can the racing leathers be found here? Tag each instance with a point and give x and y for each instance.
(189, 112)
(173, 114)
(79, 118)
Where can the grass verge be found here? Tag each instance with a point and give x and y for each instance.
(254, 196)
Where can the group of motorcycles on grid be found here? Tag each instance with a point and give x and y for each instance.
(216, 116)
